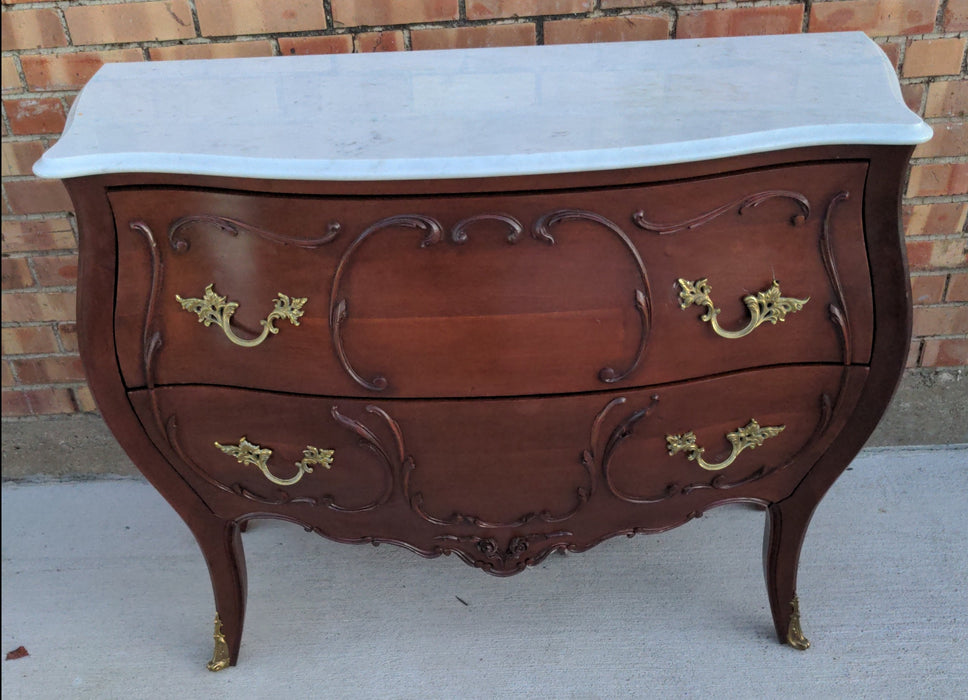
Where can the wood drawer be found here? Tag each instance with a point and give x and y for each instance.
(493, 295)
(428, 468)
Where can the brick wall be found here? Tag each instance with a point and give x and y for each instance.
(51, 48)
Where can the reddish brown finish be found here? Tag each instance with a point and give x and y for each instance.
(559, 457)
(523, 304)
(585, 463)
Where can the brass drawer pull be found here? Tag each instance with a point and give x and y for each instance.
(766, 306)
(247, 453)
(213, 308)
(751, 436)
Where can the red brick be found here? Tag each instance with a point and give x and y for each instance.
(876, 17)
(623, 28)
(913, 94)
(940, 320)
(27, 236)
(230, 49)
(944, 253)
(955, 16)
(947, 98)
(930, 219)
(16, 274)
(373, 42)
(8, 379)
(934, 57)
(303, 45)
(235, 17)
(28, 340)
(892, 50)
(473, 37)
(84, 400)
(36, 196)
(945, 352)
(32, 29)
(11, 76)
(127, 22)
(740, 21)
(490, 9)
(38, 402)
(70, 71)
(950, 139)
(31, 307)
(19, 156)
(958, 287)
(928, 289)
(937, 179)
(35, 115)
(914, 354)
(49, 370)
(67, 332)
(353, 13)
(56, 270)
(614, 4)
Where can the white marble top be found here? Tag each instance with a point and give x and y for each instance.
(484, 112)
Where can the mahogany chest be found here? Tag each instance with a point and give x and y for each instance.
(494, 303)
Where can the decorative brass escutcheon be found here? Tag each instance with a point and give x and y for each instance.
(220, 654)
(767, 305)
(248, 453)
(795, 636)
(751, 436)
(213, 308)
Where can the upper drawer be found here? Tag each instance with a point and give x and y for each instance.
(493, 295)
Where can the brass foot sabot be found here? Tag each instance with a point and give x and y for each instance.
(220, 655)
(795, 636)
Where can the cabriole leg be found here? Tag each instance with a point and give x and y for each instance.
(786, 525)
(221, 544)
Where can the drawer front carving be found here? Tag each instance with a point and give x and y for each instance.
(496, 295)
(472, 476)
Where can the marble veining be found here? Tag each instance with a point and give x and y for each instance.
(484, 112)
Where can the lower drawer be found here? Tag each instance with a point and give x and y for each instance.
(570, 469)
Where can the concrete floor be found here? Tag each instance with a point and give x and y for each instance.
(105, 588)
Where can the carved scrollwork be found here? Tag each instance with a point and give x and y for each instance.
(620, 433)
(458, 234)
(504, 559)
(640, 298)
(151, 338)
(740, 205)
(339, 308)
(370, 441)
(234, 227)
(838, 311)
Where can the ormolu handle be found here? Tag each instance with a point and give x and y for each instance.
(766, 306)
(213, 308)
(751, 436)
(247, 453)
